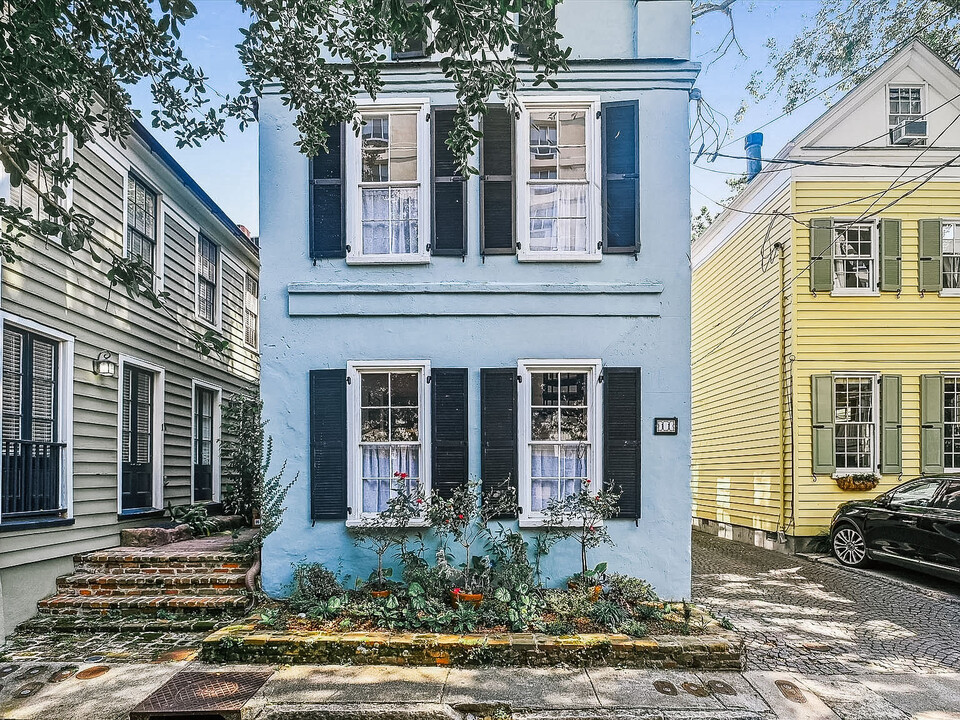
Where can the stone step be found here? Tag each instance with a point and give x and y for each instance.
(129, 584)
(138, 561)
(149, 604)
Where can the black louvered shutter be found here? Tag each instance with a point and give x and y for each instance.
(496, 182)
(449, 446)
(621, 437)
(328, 444)
(449, 191)
(621, 176)
(498, 429)
(327, 216)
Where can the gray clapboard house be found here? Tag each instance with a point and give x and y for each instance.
(109, 412)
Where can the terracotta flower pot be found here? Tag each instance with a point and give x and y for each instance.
(462, 597)
(380, 594)
(857, 484)
(595, 592)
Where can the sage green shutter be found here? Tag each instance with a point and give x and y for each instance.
(890, 255)
(930, 255)
(821, 254)
(824, 451)
(891, 424)
(931, 424)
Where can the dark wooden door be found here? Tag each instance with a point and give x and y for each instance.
(136, 486)
(203, 403)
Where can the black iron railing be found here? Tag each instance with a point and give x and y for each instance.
(31, 478)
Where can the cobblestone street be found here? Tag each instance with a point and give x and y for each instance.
(811, 617)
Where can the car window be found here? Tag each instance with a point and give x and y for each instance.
(915, 494)
(951, 497)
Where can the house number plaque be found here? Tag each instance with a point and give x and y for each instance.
(665, 426)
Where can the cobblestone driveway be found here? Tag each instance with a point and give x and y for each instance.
(810, 617)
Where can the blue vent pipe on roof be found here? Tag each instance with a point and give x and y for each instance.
(753, 144)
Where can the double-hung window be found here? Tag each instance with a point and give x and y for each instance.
(559, 426)
(855, 257)
(906, 104)
(141, 222)
(559, 196)
(951, 424)
(208, 274)
(950, 255)
(856, 399)
(251, 310)
(387, 433)
(387, 211)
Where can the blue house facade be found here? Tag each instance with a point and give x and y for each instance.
(524, 328)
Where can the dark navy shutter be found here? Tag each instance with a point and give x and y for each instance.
(328, 444)
(496, 182)
(621, 437)
(327, 216)
(498, 429)
(621, 176)
(449, 417)
(449, 191)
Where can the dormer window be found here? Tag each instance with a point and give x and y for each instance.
(905, 106)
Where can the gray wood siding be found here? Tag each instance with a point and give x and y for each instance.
(71, 294)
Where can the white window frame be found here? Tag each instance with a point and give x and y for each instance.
(353, 174)
(256, 279)
(217, 324)
(159, 393)
(65, 358)
(874, 287)
(525, 367)
(217, 436)
(944, 290)
(159, 249)
(356, 516)
(905, 85)
(591, 106)
(955, 377)
(874, 378)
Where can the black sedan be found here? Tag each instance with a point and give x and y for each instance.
(915, 525)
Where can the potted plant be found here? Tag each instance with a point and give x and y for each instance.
(387, 529)
(857, 481)
(581, 516)
(463, 518)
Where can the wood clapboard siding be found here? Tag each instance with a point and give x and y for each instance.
(70, 293)
(908, 335)
(736, 424)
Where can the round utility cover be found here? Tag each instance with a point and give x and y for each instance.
(28, 690)
(63, 673)
(93, 672)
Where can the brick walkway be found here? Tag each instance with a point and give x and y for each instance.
(814, 618)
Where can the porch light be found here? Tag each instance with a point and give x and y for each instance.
(104, 366)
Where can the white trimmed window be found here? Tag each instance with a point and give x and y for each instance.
(142, 224)
(208, 280)
(251, 310)
(906, 104)
(950, 255)
(855, 257)
(951, 424)
(387, 168)
(558, 166)
(559, 430)
(856, 399)
(387, 432)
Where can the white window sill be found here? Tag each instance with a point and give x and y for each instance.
(558, 257)
(953, 292)
(363, 522)
(538, 521)
(847, 473)
(854, 293)
(389, 260)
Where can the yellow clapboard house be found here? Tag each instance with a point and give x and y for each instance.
(826, 314)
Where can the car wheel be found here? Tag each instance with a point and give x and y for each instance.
(849, 546)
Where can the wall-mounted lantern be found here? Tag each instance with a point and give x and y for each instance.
(104, 366)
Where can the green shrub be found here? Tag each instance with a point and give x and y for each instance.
(608, 615)
(314, 586)
(627, 591)
(648, 612)
(559, 627)
(634, 628)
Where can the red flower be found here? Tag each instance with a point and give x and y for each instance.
(419, 500)
(460, 517)
(598, 497)
(592, 528)
(587, 481)
(403, 476)
(457, 591)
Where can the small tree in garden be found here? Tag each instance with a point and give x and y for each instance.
(387, 529)
(581, 516)
(464, 518)
(243, 456)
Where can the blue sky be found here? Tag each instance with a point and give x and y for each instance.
(228, 170)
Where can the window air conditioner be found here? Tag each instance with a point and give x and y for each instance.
(909, 133)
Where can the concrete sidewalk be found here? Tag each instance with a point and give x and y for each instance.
(421, 693)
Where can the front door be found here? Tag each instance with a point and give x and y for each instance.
(203, 403)
(136, 484)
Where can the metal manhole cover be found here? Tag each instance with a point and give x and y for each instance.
(8, 670)
(34, 671)
(790, 691)
(62, 674)
(665, 687)
(695, 689)
(189, 693)
(28, 690)
(719, 687)
(93, 672)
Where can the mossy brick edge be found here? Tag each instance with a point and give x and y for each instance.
(714, 650)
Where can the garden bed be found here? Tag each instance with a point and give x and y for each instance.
(715, 649)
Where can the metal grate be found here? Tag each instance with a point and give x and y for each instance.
(199, 694)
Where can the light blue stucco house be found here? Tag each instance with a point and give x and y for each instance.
(525, 327)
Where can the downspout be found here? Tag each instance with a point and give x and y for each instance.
(781, 405)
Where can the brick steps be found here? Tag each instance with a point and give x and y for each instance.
(138, 584)
(77, 604)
